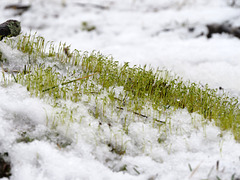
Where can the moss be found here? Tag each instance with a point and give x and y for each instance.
(15, 27)
(87, 27)
(141, 86)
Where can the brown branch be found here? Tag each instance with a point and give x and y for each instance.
(18, 7)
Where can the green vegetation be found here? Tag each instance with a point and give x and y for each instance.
(58, 75)
(14, 27)
(87, 27)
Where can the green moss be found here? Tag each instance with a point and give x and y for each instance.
(87, 27)
(140, 85)
(15, 27)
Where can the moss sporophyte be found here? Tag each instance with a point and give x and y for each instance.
(120, 89)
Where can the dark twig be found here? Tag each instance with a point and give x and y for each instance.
(18, 7)
(142, 115)
(14, 78)
(91, 5)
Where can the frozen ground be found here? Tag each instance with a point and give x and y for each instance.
(140, 32)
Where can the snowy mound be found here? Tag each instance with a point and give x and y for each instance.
(43, 138)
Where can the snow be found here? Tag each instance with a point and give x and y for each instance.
(133, 31)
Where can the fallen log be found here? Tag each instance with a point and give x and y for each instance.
(223, 28)
(10, 28)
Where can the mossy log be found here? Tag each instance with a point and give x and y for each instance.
(10, 28)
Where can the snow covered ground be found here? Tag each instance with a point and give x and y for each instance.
(140, 32)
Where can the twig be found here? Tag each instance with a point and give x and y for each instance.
(2, 67)
(91, 5)
(13, 71)
(195, 170)
(18, 7)
(210, 172)
(14, 78)
(64, 83)
(142, 115)
(217, 165)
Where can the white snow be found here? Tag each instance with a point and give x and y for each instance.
(132, 31)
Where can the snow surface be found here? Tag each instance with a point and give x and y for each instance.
(140, 32)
